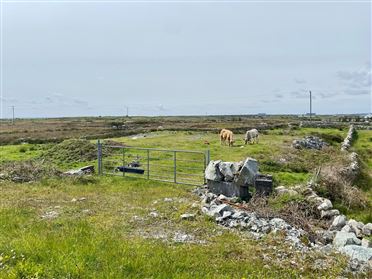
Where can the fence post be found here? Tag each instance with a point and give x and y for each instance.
(148, 163)
(123, 161)
(205, 166)
(175, 166)
(99, 155)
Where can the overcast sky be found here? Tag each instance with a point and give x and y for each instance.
(75, 59)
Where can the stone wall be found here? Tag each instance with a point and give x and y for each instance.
(349, 138)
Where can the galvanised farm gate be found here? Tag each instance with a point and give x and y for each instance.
(176, 166)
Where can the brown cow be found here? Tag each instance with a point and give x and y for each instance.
(226, 136)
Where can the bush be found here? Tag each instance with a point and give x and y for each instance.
(335, 185)
(329, 138)
(25, 171)
(71, 151)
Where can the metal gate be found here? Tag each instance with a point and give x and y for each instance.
(176, 166)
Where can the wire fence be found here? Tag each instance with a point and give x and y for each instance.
(176, 166)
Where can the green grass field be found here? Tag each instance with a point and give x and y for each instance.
(47, 232)
(274, 152)
(111, 234)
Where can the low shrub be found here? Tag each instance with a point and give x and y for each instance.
(337, 186)
(26, 171)
(71, 151)
(329, 138)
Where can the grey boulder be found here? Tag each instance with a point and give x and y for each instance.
(338, 223)
(367, 229)
(344, 238)
(212, 172)
(281, 190)
(328, 214)
(217, 211)
(325, 205)
(356, 227)
(366, 243)
(228, 170)
(346, 228)
(248, 172)
(360, 253)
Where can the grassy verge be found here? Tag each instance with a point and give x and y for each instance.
(363, 146)
(110, 233)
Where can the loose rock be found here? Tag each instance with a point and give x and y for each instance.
(50, 215)
(356, 227)
(338, 223)
(343, 238)
(188, 216)
(325, 205)
(357, 252)
(328, 214)
(366, 243)
(367, 229)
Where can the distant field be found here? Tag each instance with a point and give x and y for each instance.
(274, 152)
(55, 130)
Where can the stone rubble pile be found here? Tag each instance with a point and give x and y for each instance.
(349, 138)
(224, 214)
(309, 142)
(342, 232)
(346, 236)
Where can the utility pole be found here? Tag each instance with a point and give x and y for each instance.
(127, 111)
(12, 115)
(310, 105)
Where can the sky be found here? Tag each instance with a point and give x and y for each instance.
(179, 58)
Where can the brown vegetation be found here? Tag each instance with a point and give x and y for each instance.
(337, 183)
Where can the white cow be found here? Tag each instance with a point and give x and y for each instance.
(251, 136)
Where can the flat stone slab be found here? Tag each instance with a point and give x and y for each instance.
(263, 184)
